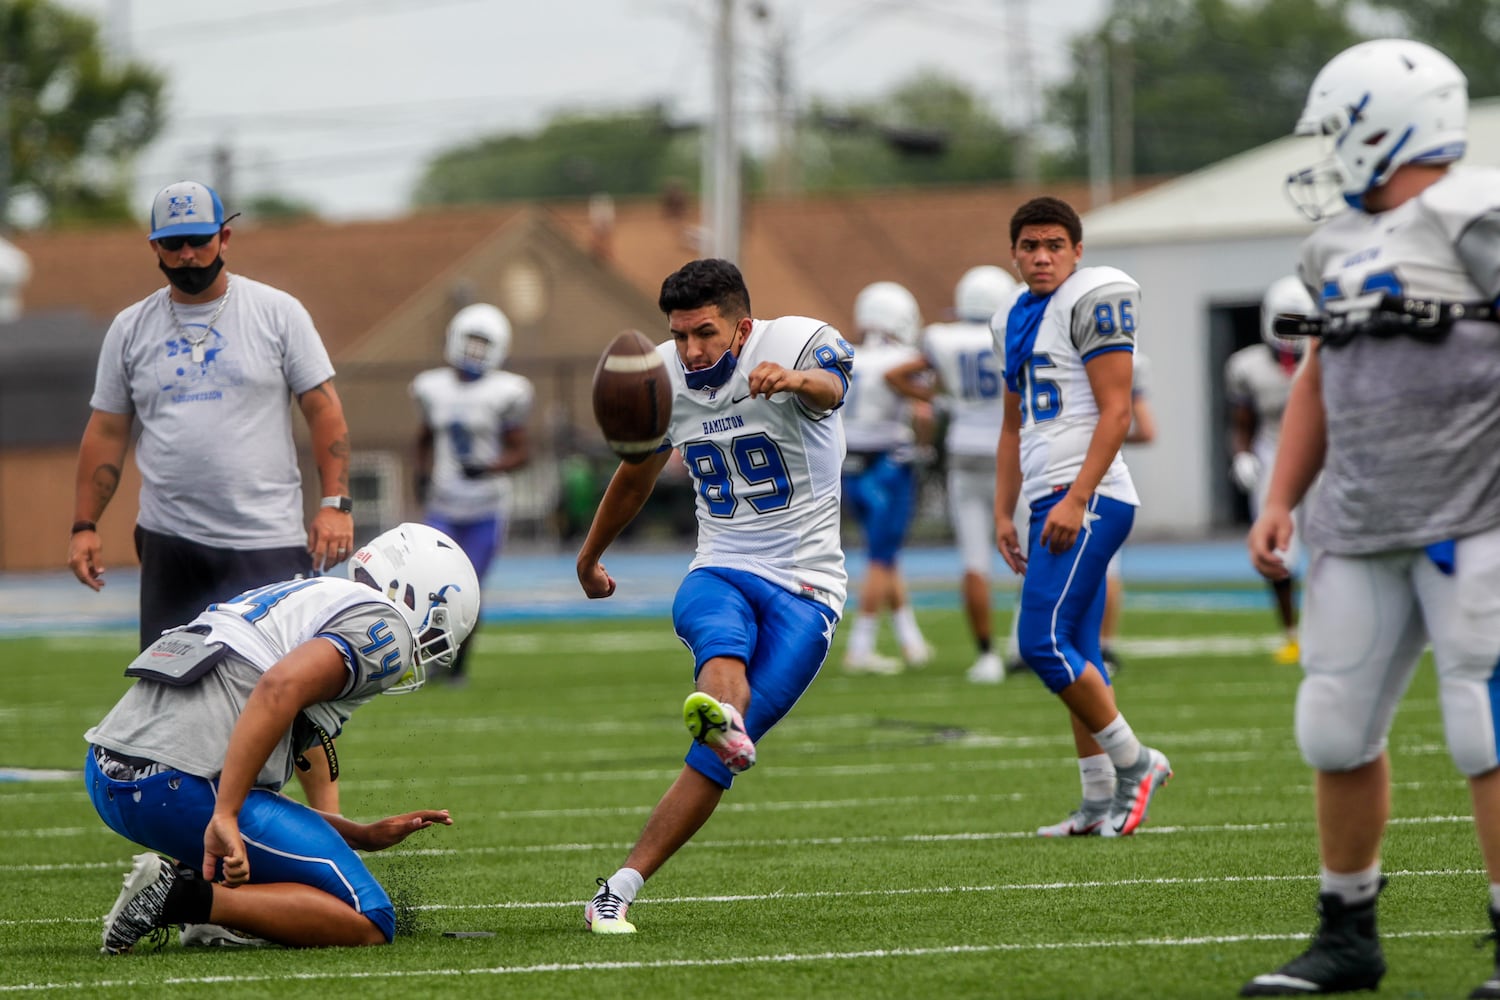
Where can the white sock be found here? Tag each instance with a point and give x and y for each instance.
(1495, 896)
(1352, 887)
(1097, 774)
(625, 883)
(908, 632)
(862, 639)
(1013, 643)
(1118, 740)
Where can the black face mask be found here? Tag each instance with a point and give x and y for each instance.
(193, 280)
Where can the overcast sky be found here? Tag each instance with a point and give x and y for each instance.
(340, 102)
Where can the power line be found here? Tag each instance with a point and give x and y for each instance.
(177, 33)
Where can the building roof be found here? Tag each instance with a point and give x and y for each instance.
(1245, 196)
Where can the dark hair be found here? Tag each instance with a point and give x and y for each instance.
(1046, 211)
(710, 281)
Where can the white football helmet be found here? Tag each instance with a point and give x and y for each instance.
(478, 339)
(1377, 106)
(1286, 296)
(434, 584)
(888, 310)
(980, 292)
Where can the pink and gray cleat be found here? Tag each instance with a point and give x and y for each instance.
(1134, 788)
(719, 727)
(1085, 821)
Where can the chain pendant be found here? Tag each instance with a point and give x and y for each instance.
(198, 353)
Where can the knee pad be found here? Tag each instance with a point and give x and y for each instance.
(1332, 732)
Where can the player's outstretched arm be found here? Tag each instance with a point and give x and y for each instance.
(623, 499)
(388, 832)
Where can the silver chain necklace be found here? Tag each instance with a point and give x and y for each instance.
(196, 343)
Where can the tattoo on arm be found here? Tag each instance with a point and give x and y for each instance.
(106, 480)
(339, 452)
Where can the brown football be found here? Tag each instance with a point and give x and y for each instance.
(632, 396)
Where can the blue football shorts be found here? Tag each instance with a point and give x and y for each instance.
(882, 499)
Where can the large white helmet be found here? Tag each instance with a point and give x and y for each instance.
(434, 584)
(888, 310)
(478, 339)
(1286, 296)
(980, 292)
(1377, 106)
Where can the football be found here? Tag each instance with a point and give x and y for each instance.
(632, 396)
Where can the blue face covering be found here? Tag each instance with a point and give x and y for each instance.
(712, 377)
(1021, 327)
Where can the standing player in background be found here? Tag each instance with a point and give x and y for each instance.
(880, 479)
(752, 413)
(474, 416)
(1258, 380)
(1066, 341)
(209, 365)
(1398, 406)
(1142, 431)
(962, 356)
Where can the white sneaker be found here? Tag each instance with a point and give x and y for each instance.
(1085, 821)
(138, 909)
(871, 663)
(215, 936)
(988, 669)
(605, 913)
(917, 654)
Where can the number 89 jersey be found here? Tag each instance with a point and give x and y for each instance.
(766, 471)
(1095, 310)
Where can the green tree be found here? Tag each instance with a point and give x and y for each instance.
(73, 118)
(1467, 31)
(1209, 78)
(573, 155)
(928, 130)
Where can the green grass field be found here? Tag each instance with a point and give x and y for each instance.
(881, 848)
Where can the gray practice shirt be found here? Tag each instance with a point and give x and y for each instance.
(218, 463)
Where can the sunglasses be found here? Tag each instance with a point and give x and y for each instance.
(177, 242)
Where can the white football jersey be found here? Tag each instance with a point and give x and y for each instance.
(767, 470)
(468, 418)
(1095, 309)
(1255, 376)
(971, 382)
(1412, 428)
(876, 417)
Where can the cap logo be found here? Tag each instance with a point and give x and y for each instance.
(179, 205)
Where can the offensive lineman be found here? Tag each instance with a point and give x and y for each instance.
(1398, 405)
(1066, 342)
(753, 415)
(474, 417)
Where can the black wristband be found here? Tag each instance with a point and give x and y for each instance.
(84, 526)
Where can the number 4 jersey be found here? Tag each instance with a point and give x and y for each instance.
(767, 470)
(1093, 311)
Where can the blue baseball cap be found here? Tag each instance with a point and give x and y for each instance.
(186, 208)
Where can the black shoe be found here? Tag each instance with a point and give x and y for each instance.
(1112, 664)
(137, 912)
(1344, 955)
(1490, 988)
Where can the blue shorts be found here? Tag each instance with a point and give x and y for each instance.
(882, 499)
(480, 539)
(1062, 595)
(782, 638)
(285, 841)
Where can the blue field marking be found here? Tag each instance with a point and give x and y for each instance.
(544, 586)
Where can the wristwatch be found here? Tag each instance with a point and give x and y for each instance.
(344, 505)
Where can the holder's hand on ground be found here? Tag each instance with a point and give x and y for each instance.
(392, 830)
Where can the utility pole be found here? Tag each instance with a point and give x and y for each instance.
(721, 190)
(1022, 83)
(222, 158)
(1121, 52)
(1100, 192)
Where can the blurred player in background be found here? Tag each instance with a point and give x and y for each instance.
(474, 432)
(880, 477)
(957, 371)
(753, 415)
(1258, 380)
(1142, 431)
(1397, 405)
(210, 365)
(191, 760)
(1066, 341)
